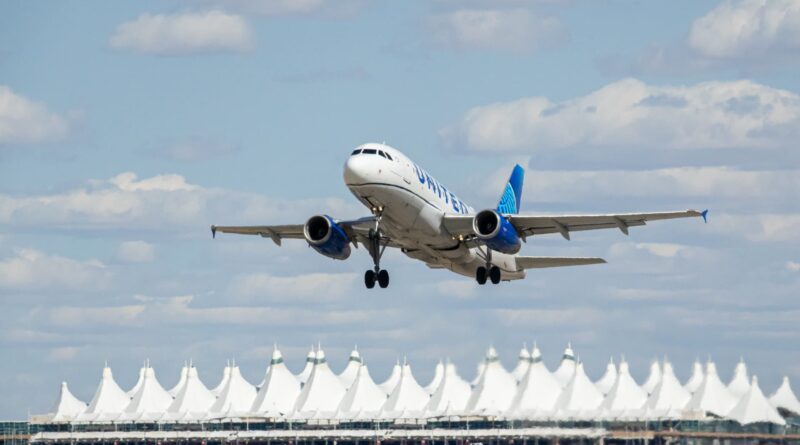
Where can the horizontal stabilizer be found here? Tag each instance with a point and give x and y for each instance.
(540, 262)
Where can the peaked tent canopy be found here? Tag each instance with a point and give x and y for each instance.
(696, 378)
(66, 407)
(538, 390)
(280, 389)
(363, 396)
(495, 389)
(784, 397)
(353, 364)
(625, 395)
(566, 369)
(306, 372)
(193, 400)
(132, 392)
(237, 396)
(712, 396)
(151, 400)
(226, 375)
(753, 407)
(388, 385)
(184, 371)
(579, 397)
(478, 372)
(668, 398)
(523, 363)
(655, 376)
(323, 391)
(609, 377)
(451, 395)
(739, 383)
(438, 372)
(109, 399)
(407, 396)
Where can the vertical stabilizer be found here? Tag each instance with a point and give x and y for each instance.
(512, 194)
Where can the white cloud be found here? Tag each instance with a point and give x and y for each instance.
(136, 252)
(665, 250)
(184, 33)
(745, 28)
(32, 269)
(277, 7)
(314, 286)
(630, 113)
(23, 121)
(794, 266)
(768, 227)
(495, 29)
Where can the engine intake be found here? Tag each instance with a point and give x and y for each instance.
(327, 237)
(495, 230)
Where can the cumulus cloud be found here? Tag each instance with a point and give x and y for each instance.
(770, 227)
(24, 121)
(519, 30)
(314, 286)
(32, 269)
(747, 28)
(630, 113)
(184, 33)
(794, 266)
(136, 252)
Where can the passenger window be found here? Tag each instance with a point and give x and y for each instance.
(355, 152)
(369, 151)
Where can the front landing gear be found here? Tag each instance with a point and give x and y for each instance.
(376, 249)
(489, 271)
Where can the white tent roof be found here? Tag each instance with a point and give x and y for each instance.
(538, 390)
(625, 395)
(67, 406)
(193, 396)
(109, 398)
(567, 367)
(609, 377)
(174, 390)
(784, 397)
(478, 371)
(280, 390)
(451, 395)
(322, 392)
(753, 407)
(739, 383)
(363, 396)
(388, 385)
(306, 372)
(407, 395)
(353, 364)
(132, 392)
(668, 398)
(226, 375)
(696, 378)
(237, 396)
(495, 389)
(151, 399)
(712, 395)
(523, 363)
(579, 396)
(655, 376)
(438, 373)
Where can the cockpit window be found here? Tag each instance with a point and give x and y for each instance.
(355, 152)
(380, 152)
(369, 151)
(389, 157)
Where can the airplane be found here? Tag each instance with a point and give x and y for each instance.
(414, 212)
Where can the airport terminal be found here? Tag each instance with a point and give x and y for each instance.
(529, 403)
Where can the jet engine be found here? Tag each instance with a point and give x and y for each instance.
(495, 230)
(327, 237)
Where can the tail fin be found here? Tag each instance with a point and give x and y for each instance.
(512, 194)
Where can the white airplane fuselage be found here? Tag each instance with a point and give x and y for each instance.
(412, 205)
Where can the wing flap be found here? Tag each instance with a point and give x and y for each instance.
(541, 262)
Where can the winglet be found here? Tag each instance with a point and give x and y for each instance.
(704, 214)
(213, 231)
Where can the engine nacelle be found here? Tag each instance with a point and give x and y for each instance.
(327, 237)
(496, 232)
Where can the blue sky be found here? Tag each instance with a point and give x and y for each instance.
(127, 128)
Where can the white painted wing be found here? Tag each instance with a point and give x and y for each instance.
(356, 229)
(541, 262)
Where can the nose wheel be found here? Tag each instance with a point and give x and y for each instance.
(376, 249)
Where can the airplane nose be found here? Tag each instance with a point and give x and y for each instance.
(355, 170)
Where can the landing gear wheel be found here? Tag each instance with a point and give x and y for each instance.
(369, 279)
(480, 275)
(383, 279)
(494, 274)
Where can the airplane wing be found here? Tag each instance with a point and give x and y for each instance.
(356, 229)
(529, 225)
(540, 262)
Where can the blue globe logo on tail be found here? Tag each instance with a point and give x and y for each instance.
(512, 194)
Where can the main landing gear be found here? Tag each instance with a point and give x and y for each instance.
(376, 252)
(490, 271)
